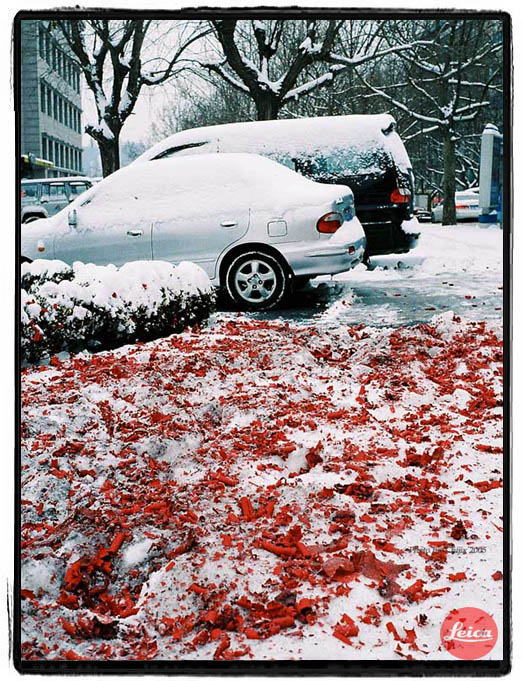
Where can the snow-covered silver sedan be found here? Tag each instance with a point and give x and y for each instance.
(256, 227)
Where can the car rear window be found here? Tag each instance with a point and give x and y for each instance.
(342, 161)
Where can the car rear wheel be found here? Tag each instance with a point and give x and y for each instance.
(256, 281)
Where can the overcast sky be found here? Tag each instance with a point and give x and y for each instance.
(163, 38)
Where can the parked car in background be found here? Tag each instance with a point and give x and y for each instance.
(43, 198)
(363, 152)
(466, 206)
(422, 214)
(256, 227)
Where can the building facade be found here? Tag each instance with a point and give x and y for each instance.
(51, 103)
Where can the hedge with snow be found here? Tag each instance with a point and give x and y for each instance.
(89, 306)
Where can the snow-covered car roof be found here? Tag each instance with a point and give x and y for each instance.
(292, 137)
(212, 181)
(57, 180)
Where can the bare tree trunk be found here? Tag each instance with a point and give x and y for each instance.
(449, 184)
(267, 107)
(110, 155)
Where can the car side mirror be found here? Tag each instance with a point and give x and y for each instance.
(44, 199)
(72, 218)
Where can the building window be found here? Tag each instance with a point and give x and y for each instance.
(41, 42)
(55, 106)
(44, 147)
(49, 102)
(42, 97)
(47, 48)
(60, 109)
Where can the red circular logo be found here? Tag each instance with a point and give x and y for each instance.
(469, 633)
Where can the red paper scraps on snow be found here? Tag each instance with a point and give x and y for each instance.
(172, 502)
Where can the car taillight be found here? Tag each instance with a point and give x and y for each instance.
(329, 223)
(461, 206)
(397, 197)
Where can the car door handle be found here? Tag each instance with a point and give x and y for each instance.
(134, 232)
(228, 223)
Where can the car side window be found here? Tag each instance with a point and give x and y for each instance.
(29, 191)
(77, 188)
(57, 192)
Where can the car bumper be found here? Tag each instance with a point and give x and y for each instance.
(339, 253)
(460, 214)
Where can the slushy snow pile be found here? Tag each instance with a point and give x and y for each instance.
(262, 490)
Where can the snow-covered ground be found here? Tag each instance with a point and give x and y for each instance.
(261, 491)
(266, 489)
(455, 268)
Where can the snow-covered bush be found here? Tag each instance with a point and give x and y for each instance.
(89, 306)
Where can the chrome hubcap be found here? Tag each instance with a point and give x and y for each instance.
(255, 281)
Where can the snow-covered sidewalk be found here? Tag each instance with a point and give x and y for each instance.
(263, 490)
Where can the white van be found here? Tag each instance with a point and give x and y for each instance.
(45, 197)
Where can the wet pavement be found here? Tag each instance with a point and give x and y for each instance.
(407, 289)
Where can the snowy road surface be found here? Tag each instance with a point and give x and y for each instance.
(264, 489)
(453, 268)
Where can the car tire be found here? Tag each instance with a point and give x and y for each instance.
(256, 281)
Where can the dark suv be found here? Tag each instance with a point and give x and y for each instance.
(363, 152)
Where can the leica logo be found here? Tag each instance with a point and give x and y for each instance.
(470, 635)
